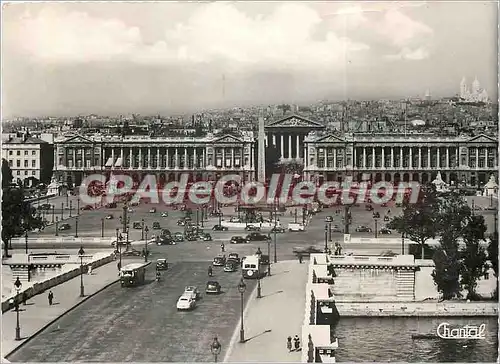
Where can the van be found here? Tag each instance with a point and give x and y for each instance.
(296, 227)
(251, 267)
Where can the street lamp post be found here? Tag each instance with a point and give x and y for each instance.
(376, 228)
(78, 206)
(269, 254)
(67, 198)
(76, 227)
(70, 207)
(146, 229)
(26, 240)
(57, 226)
(402, 243)
(53, 213)
(119, 246)
(17, 285)
(197, 216)
(326, 238)
(102, 227)
(275, 235)
(62, 211)
(215, 348)
(81, 252)
(242, 287)
(259, 289)
(142, 229)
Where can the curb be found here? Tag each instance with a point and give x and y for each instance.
(57, 318)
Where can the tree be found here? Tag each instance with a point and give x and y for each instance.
(272, 159)
(419, 220)
(473, 255)
(493, 258)
(18, 216)
(7, 176)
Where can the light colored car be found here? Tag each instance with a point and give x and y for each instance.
(192, 291)
(296, 227)
(186, 302)
(164, 214)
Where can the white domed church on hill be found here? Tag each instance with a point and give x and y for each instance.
(476, 94)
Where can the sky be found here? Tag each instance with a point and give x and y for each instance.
(150, 58)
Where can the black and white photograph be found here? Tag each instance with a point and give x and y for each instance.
(250, 181)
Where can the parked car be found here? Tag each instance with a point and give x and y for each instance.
(231, 266)
(385, 231)
(234, 256)
(205, 237)
(252, 228)
(386, 218)
(278, 229)
(181, 222)
(165, 240)
(307, 251)
(220, 228)
(45, 206)
(164, 214)
(137, 225)
(219, 261)
(152, 210)
(64, 226)
(296, 227)
(329, 219)
(178, 237)
(363, 229)
(238, 240)
(161, 264)
(388, 253)
(186, 302)
(376, 215)
(191, 237)
(109, 217)
(193, 291)
(369, 208)
(257, 237)
(87, 208)
(132, 253)
(156, 225)
(213, 287)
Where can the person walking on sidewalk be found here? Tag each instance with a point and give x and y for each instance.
(289, 344)
(222, 247)
(299, 255)
(296, 341)
(51, 298)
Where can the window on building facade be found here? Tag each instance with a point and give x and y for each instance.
(18, 163)
(10, 152)
(33, 152)
(25, 152)
(18, 152)
(18, 173)
(25, 163)
(10, 163)
(33, 173)
(33, 163)
(25, 173)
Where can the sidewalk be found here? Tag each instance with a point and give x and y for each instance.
(271, 319)
(37, 314)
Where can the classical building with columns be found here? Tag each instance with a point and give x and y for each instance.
(396, 157)
(203, 158)
(289, 133)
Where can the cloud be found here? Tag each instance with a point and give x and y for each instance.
(409, 54)
(285, 39)
(400, 29)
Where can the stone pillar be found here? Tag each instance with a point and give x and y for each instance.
(485, 158)
(392, 157)
(167, 163)
(158, 160)
(176, 158)
(364, 157)
(383, 158)
(438, 161)
(130, 158)
(325, 157)
(74, 158)
(224, 157)
(232, 158)
(83, 157)
(282, 146)
(419, 157)
(428, 157)
(298, 146)
(477, 157)
(410, 163)
(140, 157)
(334, 158)
(195, 158)
(261, 172)
(447, 164)
(185, 158)
(400, 157)
(113, 156)
(274, 140)
(149, 158)
(373, 158)
(290, 146)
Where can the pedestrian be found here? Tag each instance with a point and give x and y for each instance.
(289, 344)
(89, 271)
(223, 247)
(296, 342)
(300, 258)
(51, 298)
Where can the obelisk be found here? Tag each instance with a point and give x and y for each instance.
(261, 161)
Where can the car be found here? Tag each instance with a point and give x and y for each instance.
(219, 261)
(137, 225)
(109, 217)
(231, 266)
(385, 231)
(191, 237)
(64, 226)
(213, 287)
(130, 209)
(296, 227)
(111, 205)
(165, 232)
(388, 253)
(238, 240)
(386, 218)
(376, 215)
(369, 208)
(329, 219)
(363, 229)
(181, 222)
(45, 206)
(257, 237)
(308, 250)
(135, 203)
(186, 302)
(234, 256)
(234, 219)
(252, 228)
(336, 229)
(164, 214)
(205, 237)
(156, 225)
(161, 264)
(219, 228)
(165, 240)
(152, 210)
(178, 237)
(278, 229)
(87, 208)
(193, 291)
(131, 253)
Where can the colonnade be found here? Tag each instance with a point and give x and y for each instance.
(290, 145)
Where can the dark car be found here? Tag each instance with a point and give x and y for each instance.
(45, 206)
(376, 215)
(278, 229)
(220, 228)
(386, 218)
(234, 256)
(137, 225)
(178, 237)
(165, 240)
(238, 240)
(156, 225)
(181, 222)
(64, 226)
(205, 236)
(87, 208)
(257, 237)
(307, 251)
(191, 237)
(219, 261)
(369, 208)
(111, 205)
(231, 266)
(329, 219)
(161, 264)
(132, 253)
(385, 231)
(213, 287)
(363, 229)
(252, 228)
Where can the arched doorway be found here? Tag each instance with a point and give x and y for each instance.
(378, 177)
(406, 177)
(453, 178)
(397, 178)
(171, 177)
(388, 177)
(416, 177)
(425, 178)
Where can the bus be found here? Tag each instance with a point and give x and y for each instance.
(133, 274)
(253, 267)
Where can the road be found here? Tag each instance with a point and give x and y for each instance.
(142, 323)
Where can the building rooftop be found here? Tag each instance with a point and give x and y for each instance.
(28, 140)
